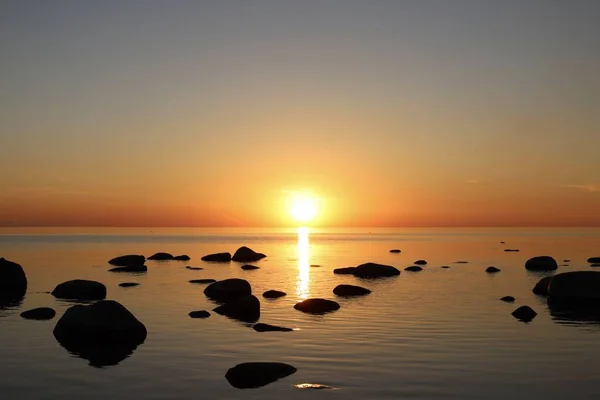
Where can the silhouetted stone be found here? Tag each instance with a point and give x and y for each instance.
(257, 374)
(273, 294)
(372, 270)
(203, 281)
(566, 260)
(524, 313)
(508, 299)
(129, 284)
(39, 314)
(199, 314)
(492, 270)
(444, 266)
(80, 289)
(217, 257)
(246, 309)
(183, 257)
(541, 263)
(344, 271)
(542, 286)
(123, 261)
(577, 286)
(13, 283)
(194, 268)
(502, 242)
(130, 268)
(228, 289)
(593, 260)
(395, 251)
(317, 306)
(420, 262)
(249, 267)
(315, 266)
(461, 262)
(511, 250)
(270, 328)
(246, 254)
(595, 265)
(161, 257)
(350, 290)
(413, 268)
(105, 333)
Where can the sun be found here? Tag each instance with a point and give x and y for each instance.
(303, 207)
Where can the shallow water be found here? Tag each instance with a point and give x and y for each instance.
(438, 333)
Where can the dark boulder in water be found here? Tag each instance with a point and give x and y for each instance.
(595, 265)
(273, 294)
(541, 263)
(194, 268)
(511, 250)
(542, 286)
(183, 257)
(580, 286)
(317, 306)
(413, 268)
(461, 262)
(39, 314)
(246, 309)
(13, 283)
(228, 290)
(123, 261)
(203, 281)
(350, 290)
(491, 270)
(344, 271)
(217, 257)
(315, 266)
(395, 251)
(508, 299)
(249, 267)
(139, 268)
(566, 260)
(524, 313)
(105, 333)
(270, 328)
(445, 266)
(246, 254)
(593, 260)
(80, 289)
(420, 262)
(199, 314)
(257, 374)
(128, 284)
(161, 257)
(372, 271)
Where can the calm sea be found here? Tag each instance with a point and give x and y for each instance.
(434, 334)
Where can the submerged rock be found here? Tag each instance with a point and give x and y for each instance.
(317, 306)
(273, 294)
(511, 250)
(420, 262)
(246, 254)
(203, 281)
(395, 251)
(350, 290)
(315, 266)
(566, 260)
(542, 286)
(217, 257)
(270, 328)
(413, 268)
(524, 313)
(461, 262)
(249, 267)
(315, 386)
(257, 374)
(199, 314)
(508, 299)
(444, 266)
(123, 261)
(13, 282)
(541, 263)
(80, 289)
(593, 260)
(130, 268)
(491, 270)
(595, 265)
(246, 309)
(194, 268)
(228, 289)
(39, 314)
(129, 284)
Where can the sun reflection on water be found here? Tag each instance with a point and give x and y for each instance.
(303, 284)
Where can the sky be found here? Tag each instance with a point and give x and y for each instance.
(211, 113)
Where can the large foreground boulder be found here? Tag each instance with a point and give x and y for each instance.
(257, 374)
(350, 291)
(105, 333)
(541, 263)
(228, 290)
(130, 259)
(317, 306)
(13, 282)
(542, 286)
(372, 270)
(246, 309)
(217, 257)
(80, 289)
(246, 254)
(580, 286)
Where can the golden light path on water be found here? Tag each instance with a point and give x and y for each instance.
(303, 284)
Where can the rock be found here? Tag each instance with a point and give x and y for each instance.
(270, 328)
(502, 242)
(413, 268)
(124, 261)
(245, 254)
(491, 270)
(257, 374)
(228, 290)
(194, 268)
(199, 314)
(566, 260)
(541, 263)
(161, 257)
(249, 267)
(595, 265)
(508, 299)
(203, 281)
(80, 289)
(315, 266)
(317, 306)
(461, 262)
(372, 270)
(39, 314)
(524, 313)
(129, 284)
(183, 257)
(593, 260)
(130, 268)
(395, 251)
(511, 250)
(273, 294)
(542, 286)
(105, 333)
(217, 257)
(315, 386)
(13, 283)
(246, 309)
(350, 290)
(444, 266)
(420, 262)
(565, 265)
(344, 271)
(577, 286)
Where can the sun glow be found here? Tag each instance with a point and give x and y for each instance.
(303, 207)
